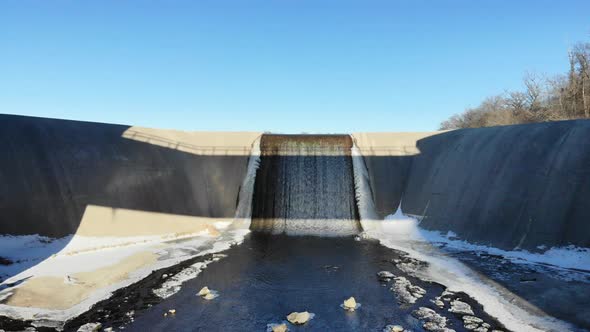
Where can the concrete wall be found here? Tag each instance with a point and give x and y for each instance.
(388, 158)
(511, 186)
(52, 170)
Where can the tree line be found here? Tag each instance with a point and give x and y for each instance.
(562, 97)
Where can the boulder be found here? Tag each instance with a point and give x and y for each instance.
(280, 328)
(299, 318)
(90, 327)
(349, 304)
(204, 291)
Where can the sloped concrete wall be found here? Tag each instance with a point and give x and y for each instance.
(510, 186)
(388, 158)
(513, 186)
(52, 170)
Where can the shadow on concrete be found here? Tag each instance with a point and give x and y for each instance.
(52, 170)
(512, 187)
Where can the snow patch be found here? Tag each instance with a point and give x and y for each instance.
(406, 292)
(401, 232)
(568, 257)
(34, 256)
(174, 283)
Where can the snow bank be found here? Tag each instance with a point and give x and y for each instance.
(569, 257)
(401, 232)
(26, 251)
(169, 254)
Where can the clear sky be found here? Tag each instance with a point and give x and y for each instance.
(282, 65)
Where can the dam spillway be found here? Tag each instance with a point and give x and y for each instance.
(305, 186)
(124, 215)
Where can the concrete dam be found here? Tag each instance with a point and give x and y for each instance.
(118, 227)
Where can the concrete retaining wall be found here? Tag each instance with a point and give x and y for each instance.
(52, 170)
(388, 158)
(511, 186)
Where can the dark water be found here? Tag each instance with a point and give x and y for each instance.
(543, 289)
(268, 277)
(305, 185)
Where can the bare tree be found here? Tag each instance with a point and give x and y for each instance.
(581, 55)
(559, 98)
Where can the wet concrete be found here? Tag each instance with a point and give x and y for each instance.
(268, 277)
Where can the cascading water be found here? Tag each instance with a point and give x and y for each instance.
(305, 186)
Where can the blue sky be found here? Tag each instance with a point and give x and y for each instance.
(283, 66)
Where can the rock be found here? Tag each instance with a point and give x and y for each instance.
(299, 318)
(349, 304)
(274, 327)
(439, 303)
(410, 265)
(204, 291)
(460, 307)
(393, 328)
(476, 324)
(405, 291)
(280, 328)
(207, 294)
(417, 290)
(385, 276)
(70, 280)
(472, 320)
(361, 236)
(433, 327)
(5, 261)
(90, 327)
(432, 321)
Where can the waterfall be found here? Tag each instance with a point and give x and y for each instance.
(305, 186)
